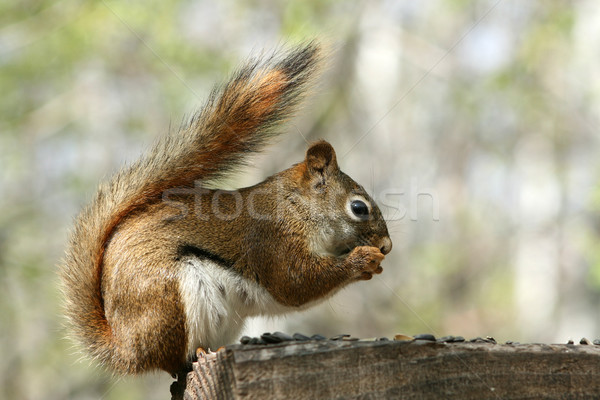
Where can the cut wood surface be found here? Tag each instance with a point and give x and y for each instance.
(397, 369)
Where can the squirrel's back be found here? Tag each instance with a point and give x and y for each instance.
(237, 120)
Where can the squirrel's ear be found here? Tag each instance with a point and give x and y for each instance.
(320, 159)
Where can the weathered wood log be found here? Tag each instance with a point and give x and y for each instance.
(396, 369)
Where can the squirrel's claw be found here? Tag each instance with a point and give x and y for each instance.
(208, 354)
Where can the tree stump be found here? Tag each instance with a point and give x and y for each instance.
(397, 369)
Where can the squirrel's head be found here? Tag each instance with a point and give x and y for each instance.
(343, 213)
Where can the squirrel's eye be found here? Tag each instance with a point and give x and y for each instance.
(359, 208)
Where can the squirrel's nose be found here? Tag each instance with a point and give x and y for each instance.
(386, 245)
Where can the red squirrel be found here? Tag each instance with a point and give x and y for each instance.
(160, 263)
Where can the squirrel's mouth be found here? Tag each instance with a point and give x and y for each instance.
(344, 248)
(345, 251)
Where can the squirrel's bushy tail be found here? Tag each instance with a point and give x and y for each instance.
(238, 117)
(237, 120)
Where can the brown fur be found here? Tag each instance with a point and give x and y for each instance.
(120, 274)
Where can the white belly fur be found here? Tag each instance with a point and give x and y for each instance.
(216, 302)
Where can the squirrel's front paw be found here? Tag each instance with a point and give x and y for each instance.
(366, 260)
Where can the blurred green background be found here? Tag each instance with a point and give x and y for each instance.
(473, 123)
